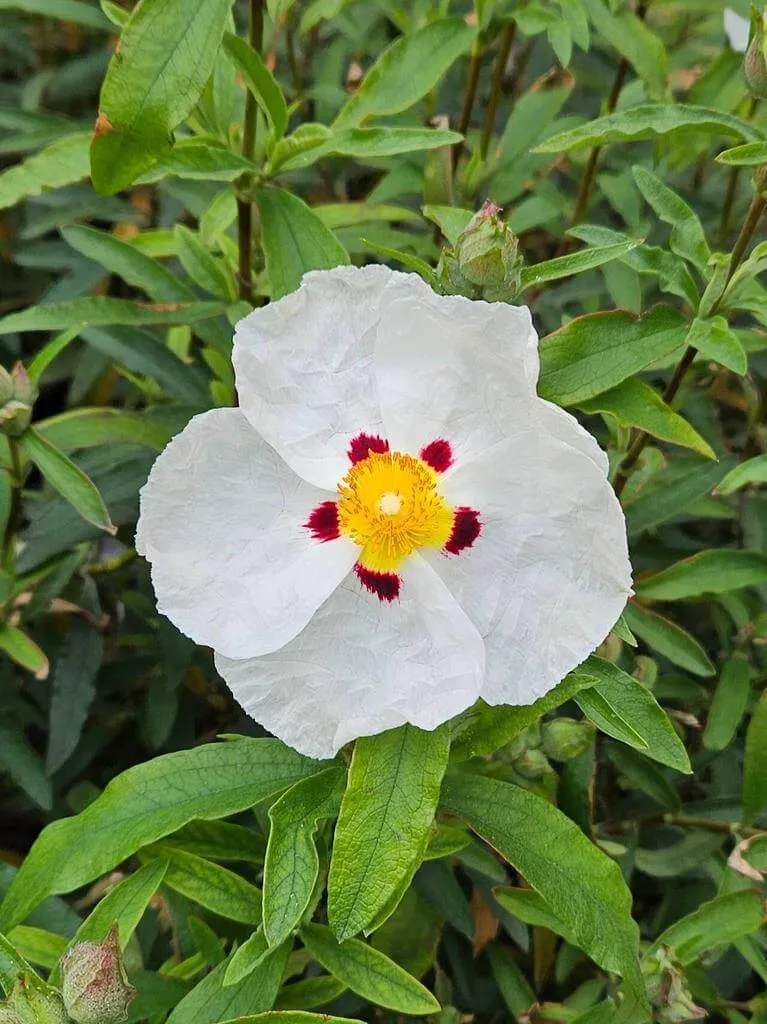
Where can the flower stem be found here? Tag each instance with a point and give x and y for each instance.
(732, 184)
(472, 81)
(507, 39)
(245, 205)
(639, 443)
(14, 472)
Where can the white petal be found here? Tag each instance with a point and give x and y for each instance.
(362, 666)
(736, 29)
(222, 524)
(451, 368)
(304, 366)
(549, 574)
(564, 427)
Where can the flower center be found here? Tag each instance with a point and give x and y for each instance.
(389, 505)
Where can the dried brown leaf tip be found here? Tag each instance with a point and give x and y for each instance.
(102, 127)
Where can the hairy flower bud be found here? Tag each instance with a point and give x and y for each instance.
(18, 393)
(94, 983)
(667, 989)
(755, 61)
(33, 1002)
(565, 738)
(485, 261)
(533, 764)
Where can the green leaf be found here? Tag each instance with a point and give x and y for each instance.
(167, 53)
(68, 479)
(259, 80)
(752, 154)
(37, 945)
(755, 766)
(74, 674)
(20, 760)
(292, 1017)
(574, 263)
(100, 311)
(216, 888)
(513, 985)
(688, 238)
(85, 428)
(719, 922)
(529, 906)
(672, 492)
(211, 1001)
(206, 270)
(483, 729)
(729, 704)
(595, 352)
(294, 239)
(709, 572)
(752, 471)
(219, 840)
(643, 775)
(199, 160)
(714, 340)
(669, 639)
(637, 707)
(62, 163)
(139, 807)
(49, 351)
(372, 144)
(12, 964)
(648, 121)
(250, 955)
(634, 41)
(23, 650)
(583, 887)
(414, 263)
(310, 993)
(635, 404)
(384, 825)
(451, 220)
(76, 11)
(407, 70)
(292, 863)
(368, 972)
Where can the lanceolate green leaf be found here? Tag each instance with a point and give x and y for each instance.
(595, 352)
(61, 163)
(688, 238)
(259, 80)
(755, 767)
(167, 53)
(66, 478)
(212, 886)
(76, 11)
(668, 639)
(583, 887)
(101, 311)
(295, 240)
(368, 972)
(139, 807)
(292, 862)
(292, 1017)
(384, 824)
(407, 70)
(649, 121)
(673, 492)
(720, 921)
(637, 707)
(729, 703)
(709, 572)
(575, 263)
(85, 428)
(635, 42)
(752, 471)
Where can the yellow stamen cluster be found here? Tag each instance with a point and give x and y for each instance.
(389, 505)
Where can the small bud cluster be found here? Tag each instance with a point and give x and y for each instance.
(18, 393)
(485, 261)
(94, 984)
(667, 989)
(560, 739)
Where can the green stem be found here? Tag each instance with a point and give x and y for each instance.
(245, 205)
(507, 40)
(639, 443)
(472, 81)
(732, 185)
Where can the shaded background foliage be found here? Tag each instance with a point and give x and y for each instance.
(119, 302)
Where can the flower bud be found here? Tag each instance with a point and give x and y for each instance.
(565, 738)
(18, 393)
(667, 989)
(754, 63)
(94, 983)
(533, 765)
(33, 1002)
(488, 254)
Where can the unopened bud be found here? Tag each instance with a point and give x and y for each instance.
(33, 1002)
(18, 393)
(754, 63)
(667, 989)
(488, 254)
(533, 764)
(565, 738)
(94, 983)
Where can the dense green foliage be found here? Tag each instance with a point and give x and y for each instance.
(576, 860)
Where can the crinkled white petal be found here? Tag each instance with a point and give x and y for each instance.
(564, 427)
(549, 574)
(449, 367)
(736, 29)
(221, 521)
(304, 366)
(362, 666)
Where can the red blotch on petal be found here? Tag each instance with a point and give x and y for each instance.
(385, 585)
(363, 444)
(438, 454)
(323, 522)
(466, 529)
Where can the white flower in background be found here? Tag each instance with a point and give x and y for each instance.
(392, 524)
(736, 29)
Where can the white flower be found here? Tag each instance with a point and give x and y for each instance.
(736, 29)
(392, 524)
